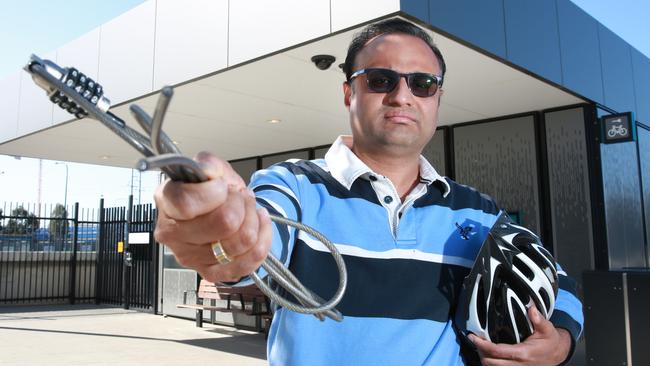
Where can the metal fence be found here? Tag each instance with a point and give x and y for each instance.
(143, 268)
(111, 255)
(48, 255)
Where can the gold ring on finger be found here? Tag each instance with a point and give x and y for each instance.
(220, 254)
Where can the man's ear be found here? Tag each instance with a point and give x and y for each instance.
(347, 93)
(440, 93)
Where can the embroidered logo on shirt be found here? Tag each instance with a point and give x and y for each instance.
(464, 231)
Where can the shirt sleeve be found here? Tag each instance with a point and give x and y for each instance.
(277, 190)
(568, 309)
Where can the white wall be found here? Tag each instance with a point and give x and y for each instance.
(346, 13)
(257, 29)
(167, 42)
(126, 50)
(191, 40)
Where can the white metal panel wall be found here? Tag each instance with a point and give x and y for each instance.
(257, 28)
(9, 94)
(191, 39)
(347, 13)
(126, 53)
(82, 54)
(165, 42)
(34, 107)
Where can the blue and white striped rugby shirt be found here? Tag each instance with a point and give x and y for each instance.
(406, 261)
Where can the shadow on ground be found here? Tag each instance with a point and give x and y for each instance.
(237, 342)
(243, 345)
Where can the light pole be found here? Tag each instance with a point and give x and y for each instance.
(65, 204)
(65, 196)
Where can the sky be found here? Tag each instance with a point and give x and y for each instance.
(39, 27)
(30, 26)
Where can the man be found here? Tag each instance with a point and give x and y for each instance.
(391, 215)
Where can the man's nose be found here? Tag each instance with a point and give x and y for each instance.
(401, 95)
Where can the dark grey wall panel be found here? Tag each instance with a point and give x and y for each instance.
(245, 168)
(622, 197)
(580, 48)
(532, 37)
(638, 289)
(644, 154)
(477, 22)
(435, 152)
(616, 317)
(618, 83)
(320, 153)
(604, 309)
(641, 69)
(267, 161)
(569, 190)
(499, 159)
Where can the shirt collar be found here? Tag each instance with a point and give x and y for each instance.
(346, 167)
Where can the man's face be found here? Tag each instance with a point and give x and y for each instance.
(396, 122)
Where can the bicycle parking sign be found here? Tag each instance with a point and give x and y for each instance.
(618, 128)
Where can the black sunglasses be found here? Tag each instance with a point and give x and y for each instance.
(421, 84)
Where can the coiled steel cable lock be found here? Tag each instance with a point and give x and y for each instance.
(83, 97)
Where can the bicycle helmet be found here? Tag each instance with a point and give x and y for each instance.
(511, 272)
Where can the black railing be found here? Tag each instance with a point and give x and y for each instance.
(47, 257)
(50, 256)
(144, 266)
(111, 256)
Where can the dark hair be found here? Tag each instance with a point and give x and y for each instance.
(390, 26)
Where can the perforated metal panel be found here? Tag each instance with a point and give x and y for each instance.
(435, 152)
(569, 190)
(623, 213)
(499, 158)
(644, 154)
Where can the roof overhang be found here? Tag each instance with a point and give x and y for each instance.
(227, 112)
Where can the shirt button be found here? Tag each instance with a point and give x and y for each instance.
(372, 178)
(388, 199)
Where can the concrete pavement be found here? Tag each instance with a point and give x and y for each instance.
(97, 335)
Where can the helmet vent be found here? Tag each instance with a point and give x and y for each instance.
(522, 327)
(545, 299)
(521, 266)
(481, 304)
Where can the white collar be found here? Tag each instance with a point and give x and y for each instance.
(346, 167)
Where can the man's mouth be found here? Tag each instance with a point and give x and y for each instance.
(399, 117)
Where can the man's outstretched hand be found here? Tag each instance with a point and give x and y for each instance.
(546, 346)
(192, 216)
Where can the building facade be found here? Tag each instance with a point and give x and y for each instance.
(532, 92)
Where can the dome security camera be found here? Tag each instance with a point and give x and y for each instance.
(323, 62)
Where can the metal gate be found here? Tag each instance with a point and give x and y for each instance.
(127, 259)
(47, 254)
